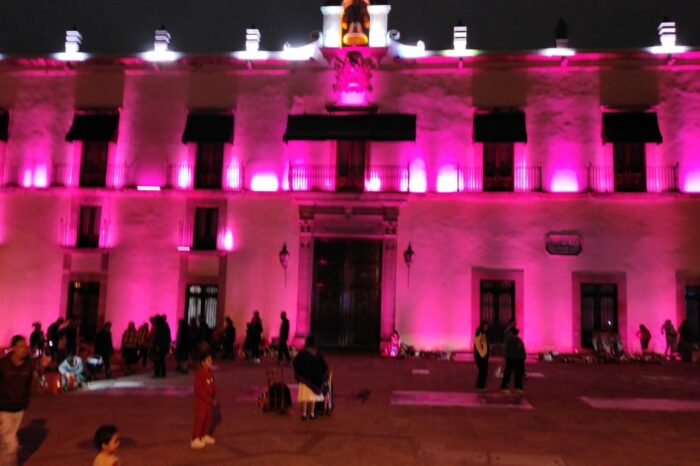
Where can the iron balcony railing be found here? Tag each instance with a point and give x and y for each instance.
(185, 176)
(523, 179)
(377, 178)
(654, 179)
(116, 176)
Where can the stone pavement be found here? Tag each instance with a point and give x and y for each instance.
(436, 419)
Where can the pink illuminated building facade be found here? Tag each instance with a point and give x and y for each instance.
(557, 186)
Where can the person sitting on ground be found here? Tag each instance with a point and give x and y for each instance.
(311, 371)
(71, 370)
(107, 442)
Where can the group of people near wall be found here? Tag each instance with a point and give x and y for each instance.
(681, 342)
(514, 356)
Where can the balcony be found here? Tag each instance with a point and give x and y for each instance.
(378, 178)
(655, 179)
(116, 176)
(185, 176)
(472, 179)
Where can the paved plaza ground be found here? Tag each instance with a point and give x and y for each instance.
(386, 414)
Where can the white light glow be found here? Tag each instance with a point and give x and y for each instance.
(459, 53)
(558, 52)
(666, 50)
(71, 56)
(183, 248)
(251, 55)
(147, 188)
(264, 182)
(226, 241)
(411, 51)
(160, 56)
(252, 40)
(41, 178)
(303, 53)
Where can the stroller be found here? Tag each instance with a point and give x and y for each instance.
(277, 397)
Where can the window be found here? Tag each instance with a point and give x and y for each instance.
(89, 227)
(630, 167)
(692, 309)
(93, 165)
(350, 165)
(498, 166)
(497, 306)
(209, 166)
(599, 311)
(206, 228)
(202, 300)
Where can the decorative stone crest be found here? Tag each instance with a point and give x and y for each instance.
(353, 75)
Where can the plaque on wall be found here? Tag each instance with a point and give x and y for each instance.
(563, 244)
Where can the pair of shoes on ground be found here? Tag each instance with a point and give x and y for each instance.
(311, 416)
(199, 443)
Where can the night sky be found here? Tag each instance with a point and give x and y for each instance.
(37, 27)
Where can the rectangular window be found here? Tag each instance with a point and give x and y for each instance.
(350, 166)
(202, 300)
(599, 311)
(630, 167)
(206, 227)
(692, 310)
(497, 306)
(89, 226)
(498, 166)
(209, 166)
(93, 165)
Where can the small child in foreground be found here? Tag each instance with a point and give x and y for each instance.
(204, 401)
(107, 441)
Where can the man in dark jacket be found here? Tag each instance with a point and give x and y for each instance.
(104, 347)
(515, 361)
(283, 351)
(16, 374)
(160, 346)
(229, 339)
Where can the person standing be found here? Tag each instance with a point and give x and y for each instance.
(482, 351)
(671, 334)
(160, 346)
(144, 343)
(229, 339)
(644, 336)
(256, 336)
(37, 339)
(515, 362)
(182, 346)
(130, 348)
(16, 375)
(52, 335)
(311, 371)
(104, 347)
(204, 401)
(283, 351)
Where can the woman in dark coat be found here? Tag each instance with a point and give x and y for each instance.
(182, 348)
(482, 351)
(311, 371)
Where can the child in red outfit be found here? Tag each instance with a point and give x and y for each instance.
(204, 392)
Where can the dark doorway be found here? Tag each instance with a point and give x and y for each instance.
(692, 309)
(498, 166)
(350, 166)
(202, 299)
(598, 310)
(83, 304)
(209, 166)
(93, 166)
(206, 228)
(346, 306)
(497, 306)
(629, 161)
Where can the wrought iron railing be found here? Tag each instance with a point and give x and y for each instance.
(527, 178)
(116, 176)
(662, 179)
(600, 179)
(377, 178)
